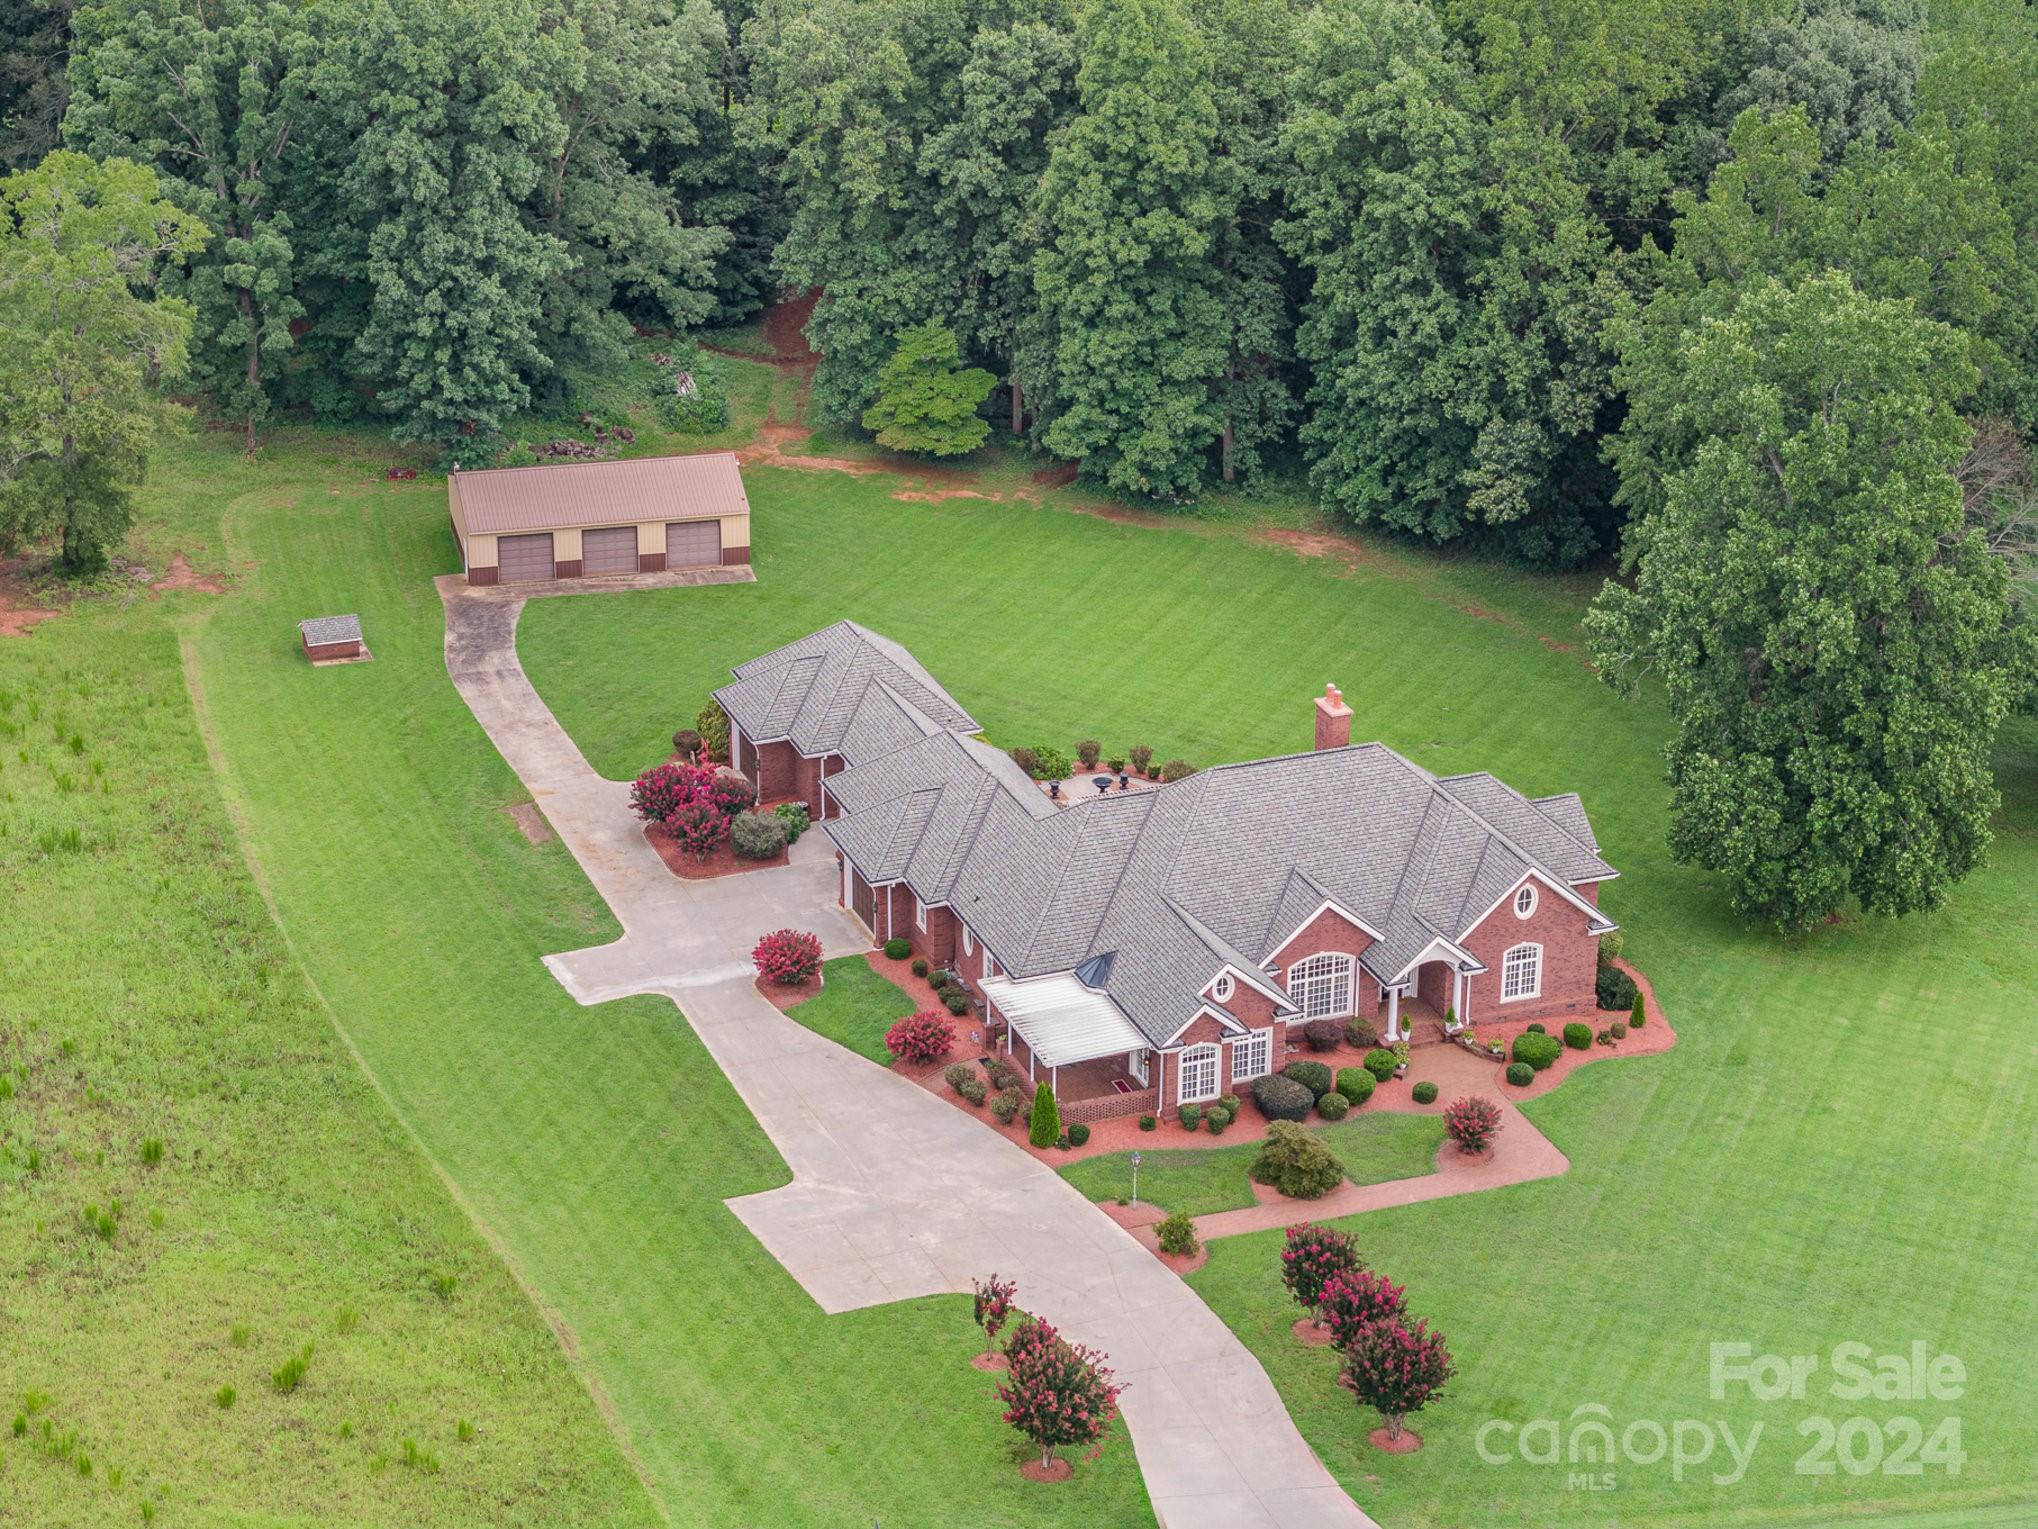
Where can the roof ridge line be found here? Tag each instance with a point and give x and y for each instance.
(1531, 801)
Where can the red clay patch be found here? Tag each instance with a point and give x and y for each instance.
(1409, 1442)
(785, 326)
(723, 862)
(1054, 1470)
(990, 1364)
(1061, 475)
(530, 822)
(182, 576)
(17, 614)
(1312, 1332)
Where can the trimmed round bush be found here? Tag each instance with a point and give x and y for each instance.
(1148, 1122)
(921, 1038)
(1087, 751)
(955, 1074)
(1176, 769)
(1078, 1134)
(1426, 1093)
(1231, 1105)
(1314, 1076)
(1536, 1049)
(757, 835)
(897, 948)
(1615, 988)
(1282, 1098)
(1323, 1034)
(1520, 1074)
(1332, 1106)
(1380, 1062)
(1216, 1122)
(1578, 1035)
(1177, 1234)
(1618, 1030)
(1027, 760)
(1295, 1162)
(1360, 1033)
(1536, 1027)
(1191, 1116)
(919, 966)
(1219, 1110)
(973, 1090)
(956, 1001)
(1356, 1084)
(794, 816)
(1054, 764)
(1006, 1105)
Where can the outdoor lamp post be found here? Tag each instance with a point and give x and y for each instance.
(1135, 1178)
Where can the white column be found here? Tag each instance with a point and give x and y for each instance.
(1394, 1014)
(1458, 995)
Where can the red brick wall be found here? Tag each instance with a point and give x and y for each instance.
(1206, 1029)
(806, 783)
(483, 575)
(324, 650)
(1570, 961)
(1332, 931)
(775, 772)
(1433, 984)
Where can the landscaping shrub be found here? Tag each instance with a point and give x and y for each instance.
(1027, 760)
(973, 1090)
(697, 828)
(1141, 757)
(787, 957)
(1332, 1106)
(1006, 1105)
(758, 836)
(1314, 1076)
(794, 816)
(1046, 1127)
(1177, 1234)
(1380, 1062)
(1323, 1034)
(1003, 1074)
(1148, 1122)
(1616, 989)
(1230, 1103)
(1578, 1035)
(1216, 1121)
(1606, 1036)
(921, 1038)
(1536, 1027)
(956, 1001)
(686, 743)
(1079, 1134)
(954, 1074)
(1520, 1074)
(1282, 1098)
(991, 1306)
(1054, 764)
(919, 966)
(1353, 1297)
(1610, 945)
(1177, 769)
(1472, 1122)
(1536, 1049)
(692, 398)
(729, 793)
(713, 726)
(1296, 1163)
(1056, 1393)
(1217, 1110)
(1638, 1016)
(898, 947)
(1425, 1093)
(1115, 766)
(1356, 1084)
(1191, 1116)
(1311, 1255)
(1087, 751)
(663, 789)
(1396, 1369)
(1360, 1033)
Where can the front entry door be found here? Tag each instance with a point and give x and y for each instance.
(1135, 1063)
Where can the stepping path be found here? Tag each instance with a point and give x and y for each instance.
(894, 1193)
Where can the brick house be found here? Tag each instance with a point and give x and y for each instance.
(1146, 949)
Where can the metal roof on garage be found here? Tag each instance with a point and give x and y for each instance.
(640, 489)
(1063, 1021)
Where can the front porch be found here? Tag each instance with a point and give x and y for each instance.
(1076, 1041)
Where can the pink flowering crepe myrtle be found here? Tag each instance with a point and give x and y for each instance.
(1057, 1393)
(787, 957)
(1352, 1298)
(993, 1306)
(1396, 1369)
(920, 1038)
(1311, 1256)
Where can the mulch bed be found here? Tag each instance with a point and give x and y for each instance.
(1186, 1263)
(723, 862)
(1054, 1470)
(783, 998)
(990, 1364)
(1312, 1332)
(1409, 1442)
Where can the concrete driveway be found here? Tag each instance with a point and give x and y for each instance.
(895, 1193)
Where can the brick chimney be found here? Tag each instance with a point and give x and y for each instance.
(1333, 719)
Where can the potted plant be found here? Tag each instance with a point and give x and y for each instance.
(1400, 1050)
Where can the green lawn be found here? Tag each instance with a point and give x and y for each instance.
(595, 1145)
(855, 1007)
(1836, 1151)
(1374, 1148)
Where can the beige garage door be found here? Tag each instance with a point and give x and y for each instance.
(612, 549)
(693, 543)
(523, 558)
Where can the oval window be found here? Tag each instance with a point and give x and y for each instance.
(1525, 902)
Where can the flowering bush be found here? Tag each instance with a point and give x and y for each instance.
(1311, 1256)
(1396, 1368)
(1057, 1393)
(662, 789)
(697, 828)
(787, 957)
(921, 1038)
(729, 794)
(993, 1306)
(1472, 1122)
(1353, 1297)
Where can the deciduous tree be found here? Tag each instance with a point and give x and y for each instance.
(927, 401)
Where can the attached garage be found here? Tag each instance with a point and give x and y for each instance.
(569, 519)
(524, 558)
(693, 544)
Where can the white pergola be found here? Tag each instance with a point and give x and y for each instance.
(1062, 1021)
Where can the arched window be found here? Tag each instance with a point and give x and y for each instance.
(1321, 985)
(1199, 1074)
(1521, 973)
(1525, 900)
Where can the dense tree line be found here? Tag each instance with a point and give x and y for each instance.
(1742, 292)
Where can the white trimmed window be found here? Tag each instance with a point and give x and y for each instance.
(919, 914)
(1199, 1074)
(1252, 1057)
(990, 966)
(1322, 986)
(968, 945)
(1221, 988)
(1525, 900)
(1521, 973)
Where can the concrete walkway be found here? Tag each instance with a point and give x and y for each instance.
(894, 1193)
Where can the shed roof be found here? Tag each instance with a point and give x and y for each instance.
(320, 630)
(1063, 1021)
(511, 499)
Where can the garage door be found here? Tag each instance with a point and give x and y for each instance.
(523, 558)
(693, 543)
(612, 549)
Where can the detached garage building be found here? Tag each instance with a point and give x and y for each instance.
(567, 520)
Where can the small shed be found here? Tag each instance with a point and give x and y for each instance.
(331, 637)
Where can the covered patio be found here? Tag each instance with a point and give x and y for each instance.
(1078, 1042)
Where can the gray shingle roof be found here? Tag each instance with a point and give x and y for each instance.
(1167, 884)
(320, 630)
